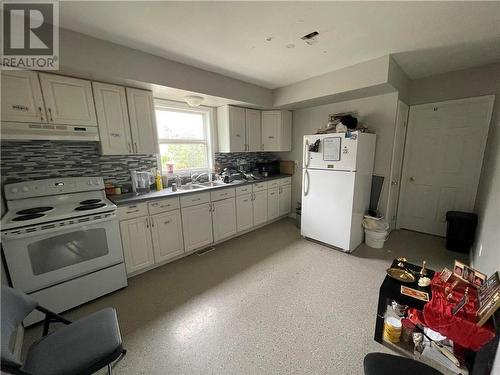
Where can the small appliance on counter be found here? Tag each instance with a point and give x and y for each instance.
(268, 168)
(142, 181)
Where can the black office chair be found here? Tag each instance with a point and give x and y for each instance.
(78, 348)
(383, 364)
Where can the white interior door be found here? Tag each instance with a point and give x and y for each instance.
(443, 159)
(397, 163)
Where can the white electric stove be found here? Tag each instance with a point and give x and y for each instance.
(61, 241)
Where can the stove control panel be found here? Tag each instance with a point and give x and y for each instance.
(52, 186)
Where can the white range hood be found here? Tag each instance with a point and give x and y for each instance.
(33, 131)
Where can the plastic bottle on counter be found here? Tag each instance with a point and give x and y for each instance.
(159, 183)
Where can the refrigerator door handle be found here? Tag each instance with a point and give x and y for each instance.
(306, 185)
(306, 154)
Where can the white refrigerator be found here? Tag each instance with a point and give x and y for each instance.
(336, 183)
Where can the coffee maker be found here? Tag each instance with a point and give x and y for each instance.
(142, 181)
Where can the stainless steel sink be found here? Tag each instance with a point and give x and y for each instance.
(211, 184)
(191, 187)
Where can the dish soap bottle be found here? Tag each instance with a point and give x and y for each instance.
(159, 184)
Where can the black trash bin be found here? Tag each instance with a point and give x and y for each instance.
(460, 230)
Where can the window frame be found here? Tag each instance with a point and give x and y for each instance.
(208, 120)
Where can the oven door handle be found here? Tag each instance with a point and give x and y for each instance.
(50, 228)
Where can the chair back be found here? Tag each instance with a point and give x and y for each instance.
(15, 307)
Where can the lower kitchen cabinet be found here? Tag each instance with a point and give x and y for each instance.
(273, 204)
(137, 244)
(197, 226)
(285, 194)
(259, 207)
(166, 231)
(224, 218)
(244, 212)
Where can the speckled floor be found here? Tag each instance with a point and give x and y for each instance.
(268, 302)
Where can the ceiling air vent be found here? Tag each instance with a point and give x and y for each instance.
(311, 38)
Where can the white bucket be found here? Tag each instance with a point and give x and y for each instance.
(375, 239)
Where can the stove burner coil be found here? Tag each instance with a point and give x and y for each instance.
(91, 201)
(90, 206)
(34, 210)
(27, 217)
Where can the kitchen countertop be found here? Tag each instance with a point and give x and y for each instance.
(136, 198)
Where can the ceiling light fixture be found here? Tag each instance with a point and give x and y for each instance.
(194, 100)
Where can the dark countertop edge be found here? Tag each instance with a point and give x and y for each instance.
(168, 193)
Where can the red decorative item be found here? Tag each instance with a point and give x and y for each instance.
(461, 328)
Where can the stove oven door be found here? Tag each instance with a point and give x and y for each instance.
(47, 257)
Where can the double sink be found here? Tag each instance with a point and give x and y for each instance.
(205, 185)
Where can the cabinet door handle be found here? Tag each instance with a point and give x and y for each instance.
(131, 212)
(237, 135)
(129, 148)
(147, 222)
(135, 144)
(41, 113)
(196, 199)
(271, 137)
(262, 146)
(167, 222)
(213, 207)
(50, 113)
(223, 194)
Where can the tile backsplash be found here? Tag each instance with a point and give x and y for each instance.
(33, 160)
(224, 159)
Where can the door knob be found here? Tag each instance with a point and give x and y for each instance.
(412, 179)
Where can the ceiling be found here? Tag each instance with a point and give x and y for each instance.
(248, 40)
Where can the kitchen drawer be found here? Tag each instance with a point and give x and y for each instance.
(259, 186)
(219, 194)
(163, 205)
(194, 199)
(242, 190)
(273, 184)
(285, 181)
(131, 211)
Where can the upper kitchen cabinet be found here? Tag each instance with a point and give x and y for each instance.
(142, 121)
(253, 130)
(22, 97)
(112, 118)
(276, 130)
(231, 129)
(68, 101)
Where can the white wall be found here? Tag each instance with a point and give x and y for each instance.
(462, 84)
(98, 59)
(376, 112)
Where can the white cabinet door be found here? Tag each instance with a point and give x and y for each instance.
(273, 203)
(137, 245)
(244, 212)
(237, 129)
(277, 130)
(22, 97)
(68, 100)
(253, 130)
(285, 194)
(260, 207)
(166, 230)
(224, 218)
(112, 119)
(271, 126)
(142, 121)
(197, 226)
